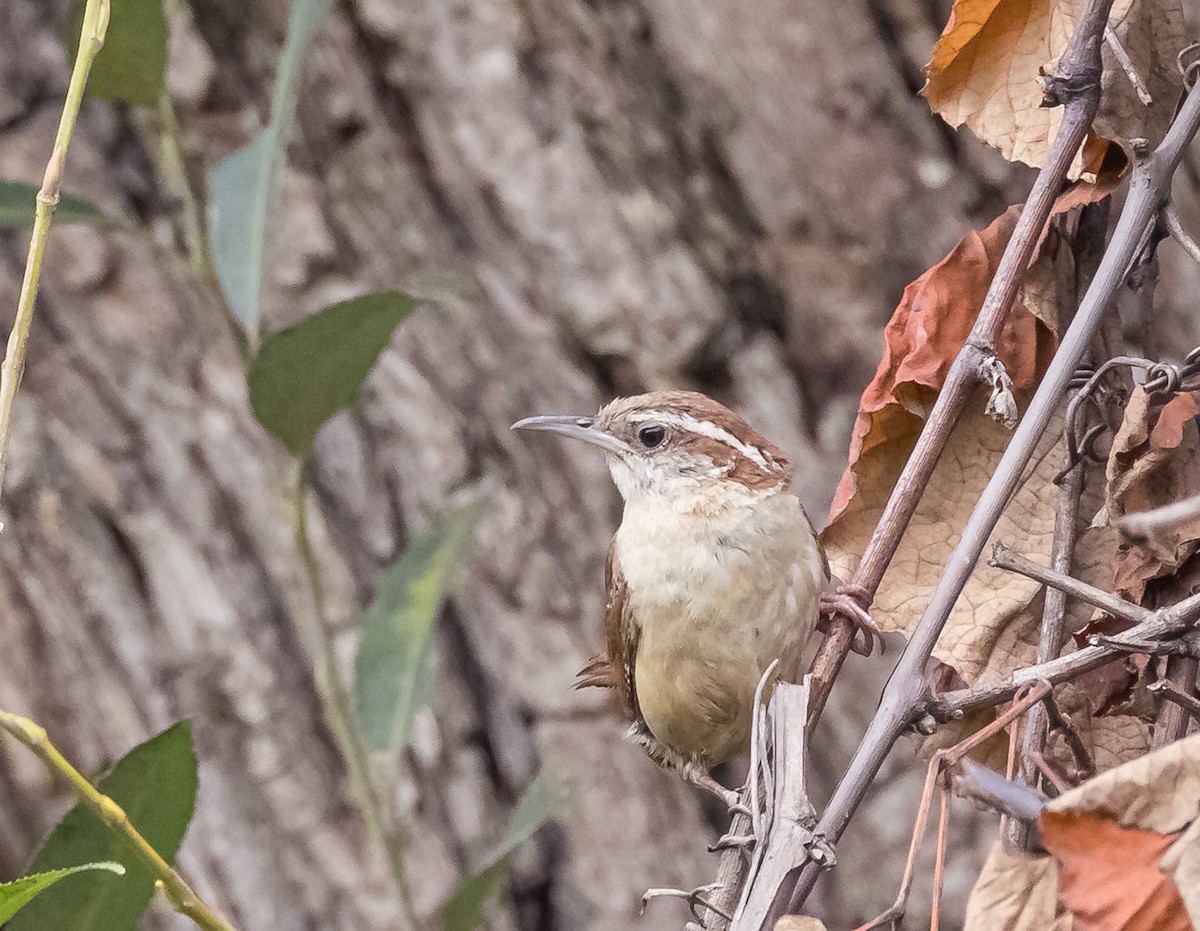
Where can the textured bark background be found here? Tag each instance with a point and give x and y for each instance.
(618, 195)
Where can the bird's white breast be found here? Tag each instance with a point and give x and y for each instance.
(720, 585)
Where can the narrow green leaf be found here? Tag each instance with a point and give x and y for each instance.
(303, 375)
(133, 62)
(464, 910)
(537, 805)
(393, 674)
(244, 183)
(155, 783)
(15, 895)
(18, 201)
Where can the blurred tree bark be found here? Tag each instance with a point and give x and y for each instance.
(608, 196)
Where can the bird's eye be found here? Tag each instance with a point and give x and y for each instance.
(652, 435)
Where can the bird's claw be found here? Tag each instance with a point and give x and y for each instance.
(848, 601)
(695, 899)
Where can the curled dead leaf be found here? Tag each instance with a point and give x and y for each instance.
(1156, 792)
(985, 68)
(1152, 463)
(1183, 860)
(926, 332)
(1016, 892)
(799, 923)
(1110, 877)
(1143, 816)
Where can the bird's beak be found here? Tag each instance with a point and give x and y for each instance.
(587, 429)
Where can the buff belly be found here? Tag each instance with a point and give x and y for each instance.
(711, 620)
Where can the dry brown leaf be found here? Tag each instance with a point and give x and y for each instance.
(1153, 462)
(985, 67)
(1110, 876)
(1157, 792)
(799, 923)
(993, 626)
(1158, 796)
(1016, 892)
(1183, 861)
(920, 342)
(1152, 32)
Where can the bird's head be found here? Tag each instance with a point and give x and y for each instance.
(674, 443)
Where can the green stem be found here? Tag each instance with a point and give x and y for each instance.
(340, 710)
(195, 229)
(181, 895)
(95, 24)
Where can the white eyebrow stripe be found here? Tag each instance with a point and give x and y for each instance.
(709, 429)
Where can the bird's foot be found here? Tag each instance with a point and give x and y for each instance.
(702, 780)
(696, 899)
(849, 601)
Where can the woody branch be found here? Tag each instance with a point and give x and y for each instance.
(906, 693)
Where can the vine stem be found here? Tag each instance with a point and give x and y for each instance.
(340, 709)
(1077, 88)
(91, 40)
(906, 691)
(181, 895)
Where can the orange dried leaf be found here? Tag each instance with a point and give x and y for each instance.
(1110, 876)
(994, 623)
(985, 68)
(924, 335)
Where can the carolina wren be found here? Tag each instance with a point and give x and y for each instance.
(714, 573)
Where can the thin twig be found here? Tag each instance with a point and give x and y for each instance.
(1179, 234)
(1061, 724)
(181, 895)
(1077, 87)
(1144, 524)
(905, 693)
(1168, 690)
(1013, 800)
(175, 172)
(939, 763)
(939, 863)
(91, 40)
(1054, 610)
(1052, 776)
(1122, 56)
(1004, 557)
(1178, 687)
(1163, 623)
(340, 710)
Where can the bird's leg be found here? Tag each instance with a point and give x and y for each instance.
(760, 784)
(702, 780)
(849, 601)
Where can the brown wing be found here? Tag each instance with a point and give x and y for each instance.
(819, 544)
(614, 668)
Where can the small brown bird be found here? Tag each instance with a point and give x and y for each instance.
(714, 573)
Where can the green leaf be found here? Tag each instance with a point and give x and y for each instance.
(393, 674)
(18, 201)
(15, 895)
(244, 183)
(303, 375)
(132, 64)
(155, 783)
(464, 910)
